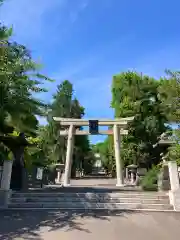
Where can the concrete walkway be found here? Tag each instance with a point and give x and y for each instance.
(51, 225)
(89, 184)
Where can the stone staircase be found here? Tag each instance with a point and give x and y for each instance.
(90, 201)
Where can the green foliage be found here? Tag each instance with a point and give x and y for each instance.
(19, 80)
(174, 150)
(1, 2)
(106, 151)
(169, 90)
(138, 96)
(67, 106)
(149, 181)
(153, 103)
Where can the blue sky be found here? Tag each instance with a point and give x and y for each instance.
(88, 41)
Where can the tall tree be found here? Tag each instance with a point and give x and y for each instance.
(66, 106)
(19, 80)
(61, 107)
(169, 90)
(137, 95)
(154, 103)
(174, 150)
(106, 151)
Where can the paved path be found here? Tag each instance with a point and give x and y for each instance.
(48, 225)
(88, 185)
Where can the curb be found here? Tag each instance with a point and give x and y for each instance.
(93, 209)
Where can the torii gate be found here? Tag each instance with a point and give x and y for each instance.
(119, 128)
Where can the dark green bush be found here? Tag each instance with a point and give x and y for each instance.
(149, 181)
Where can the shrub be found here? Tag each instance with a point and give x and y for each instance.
(149, 181)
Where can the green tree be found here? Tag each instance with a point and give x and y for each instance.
(153, 103)
(61, 107)
(67, 106)
(36, 152)
(19, 80)
(137, 95)
(174, 150)
(169, 90)
(106, 151)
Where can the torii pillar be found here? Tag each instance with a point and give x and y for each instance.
(119, 165)
(69, 156)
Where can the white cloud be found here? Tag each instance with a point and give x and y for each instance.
(35, 19)
(80, 8)
(27, 16)
(94, 59)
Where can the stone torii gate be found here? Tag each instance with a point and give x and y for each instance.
(119, 128)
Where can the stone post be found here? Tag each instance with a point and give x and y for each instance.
(174, 193)
(119, 172)
(164, 178)
(127, 175)
(69, 154)
(6, 175)
(5, 184)
(132, 177)
(58, 179)
(173, 175)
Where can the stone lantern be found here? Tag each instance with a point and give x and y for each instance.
(132, 171)
(163, 178)
(16, 144)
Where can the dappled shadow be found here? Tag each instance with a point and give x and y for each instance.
(28, 224)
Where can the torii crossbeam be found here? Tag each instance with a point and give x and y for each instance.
(119, 128)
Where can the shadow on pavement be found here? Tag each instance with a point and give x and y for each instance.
(27, 224)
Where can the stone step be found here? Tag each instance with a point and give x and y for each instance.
(93, 195)
(91, 206)
(95, 200)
